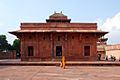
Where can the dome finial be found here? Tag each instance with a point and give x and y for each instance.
(61, 12)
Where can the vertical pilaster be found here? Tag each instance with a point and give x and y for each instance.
(80, 36)
(65, 36)
(52, 45)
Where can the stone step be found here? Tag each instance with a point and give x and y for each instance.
(69, 63)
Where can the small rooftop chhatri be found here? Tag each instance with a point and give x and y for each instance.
(58, 37)
(58, 14)
(58, 17)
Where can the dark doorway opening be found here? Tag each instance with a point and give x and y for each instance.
(86, 50)
(58, 51)
(30, 50)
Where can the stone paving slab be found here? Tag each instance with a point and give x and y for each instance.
(56, 73)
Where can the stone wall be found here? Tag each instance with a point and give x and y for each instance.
(8, 55)
(72, 44)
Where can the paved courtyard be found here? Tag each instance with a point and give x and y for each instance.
(56, 73)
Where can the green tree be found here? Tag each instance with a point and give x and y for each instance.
(16, 46)
(4, 46)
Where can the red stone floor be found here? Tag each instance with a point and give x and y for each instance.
(56, 73)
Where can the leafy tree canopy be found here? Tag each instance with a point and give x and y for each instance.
(16, 45)
(4, 45)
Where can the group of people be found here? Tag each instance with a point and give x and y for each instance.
(112, 58)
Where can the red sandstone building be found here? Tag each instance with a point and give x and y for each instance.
(58, 37)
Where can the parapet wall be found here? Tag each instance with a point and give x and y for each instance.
(8, 55)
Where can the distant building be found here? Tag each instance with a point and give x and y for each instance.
(101, 45)
(104, 50)
(58, 37)
(113, 50)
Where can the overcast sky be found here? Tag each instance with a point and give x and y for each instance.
(105, 12)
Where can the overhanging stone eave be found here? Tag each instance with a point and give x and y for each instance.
(69, 31)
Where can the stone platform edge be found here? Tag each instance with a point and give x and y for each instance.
(69, 63)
